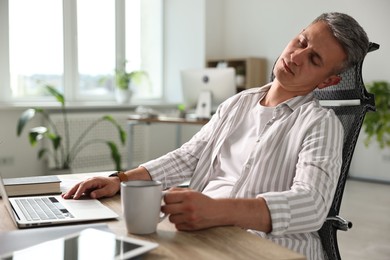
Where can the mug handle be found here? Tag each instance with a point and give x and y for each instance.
(162, 215)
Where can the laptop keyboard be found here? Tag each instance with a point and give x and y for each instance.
(43, 208)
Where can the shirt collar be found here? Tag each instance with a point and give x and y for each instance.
(292, 103)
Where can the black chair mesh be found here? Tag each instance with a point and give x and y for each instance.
(350, 87)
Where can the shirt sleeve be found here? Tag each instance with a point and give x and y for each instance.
(304, 207)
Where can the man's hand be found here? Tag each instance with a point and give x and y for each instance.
(99, 187)
(192, 210)
(96, 187)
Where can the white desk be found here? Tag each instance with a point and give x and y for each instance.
(137, 120)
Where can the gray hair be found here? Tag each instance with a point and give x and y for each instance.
(349, 34)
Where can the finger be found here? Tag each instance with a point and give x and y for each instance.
(172, 197)
(70, 192)
(102, 192)
(182, 222)
(177, 219)
(85, 187)
(179, 189)
(79, 192)
(171, 209)
(177, 195)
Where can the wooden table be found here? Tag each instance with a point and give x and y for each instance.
(214, 243)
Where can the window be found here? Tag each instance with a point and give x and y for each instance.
(95, 45)
(34, 54)
(76, 45)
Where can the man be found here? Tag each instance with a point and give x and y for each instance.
(269, 159)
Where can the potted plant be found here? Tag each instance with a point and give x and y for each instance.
(124, 80)
(377, 125)
(62, 153)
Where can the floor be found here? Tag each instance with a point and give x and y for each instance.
(367, 206)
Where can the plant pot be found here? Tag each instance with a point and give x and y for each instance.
(122, 96)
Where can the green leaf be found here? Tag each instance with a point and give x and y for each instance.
(109, 118)
(376, 124)
(138, 76)
(122, 79)
(122, 135)
(121, 131)
(116, 157)
(36, 134)
(55, 139)
(24, 118)
(54, 92)
(42, 152)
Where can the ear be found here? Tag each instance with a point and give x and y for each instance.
(330, 81)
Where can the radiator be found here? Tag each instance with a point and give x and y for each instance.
(97, 157)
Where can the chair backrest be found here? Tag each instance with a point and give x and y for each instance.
(352, 102)
(351, 115)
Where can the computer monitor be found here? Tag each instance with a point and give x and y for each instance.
(220, 82)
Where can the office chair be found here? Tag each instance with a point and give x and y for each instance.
(351, 116)
(354, 102)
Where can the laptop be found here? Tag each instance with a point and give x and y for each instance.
(34, 211)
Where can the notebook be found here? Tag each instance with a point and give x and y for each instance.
(53, 210)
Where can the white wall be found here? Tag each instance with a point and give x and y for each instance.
(17, 157)
(184, 42)
(263, 28)
(370, 162)
(215, 29)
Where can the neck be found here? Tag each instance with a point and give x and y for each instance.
(275, 95)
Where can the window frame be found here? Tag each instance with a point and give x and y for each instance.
(70, 52)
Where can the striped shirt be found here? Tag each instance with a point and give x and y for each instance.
(294, 165)
(237, 150)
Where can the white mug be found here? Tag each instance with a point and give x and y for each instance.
(141, 206)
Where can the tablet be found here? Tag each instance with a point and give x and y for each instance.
(85, 245)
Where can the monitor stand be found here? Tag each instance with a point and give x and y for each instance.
(203, 108)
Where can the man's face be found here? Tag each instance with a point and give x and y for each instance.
(309, 61)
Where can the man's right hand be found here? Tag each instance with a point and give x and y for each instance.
(96, 187)
(99, 187)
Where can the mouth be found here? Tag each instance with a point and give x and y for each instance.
(287, 68)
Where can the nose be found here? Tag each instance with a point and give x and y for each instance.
(298, 56)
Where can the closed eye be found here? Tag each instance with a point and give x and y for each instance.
(315, 59)
(302, 43)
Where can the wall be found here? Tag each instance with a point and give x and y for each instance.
(17, 158)
(184, 42)
(263, 28)
(370, 162)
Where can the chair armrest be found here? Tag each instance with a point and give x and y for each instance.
(340, 223)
